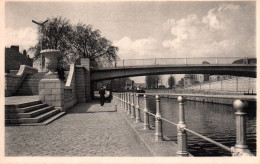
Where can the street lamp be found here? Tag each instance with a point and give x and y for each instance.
(42, 25)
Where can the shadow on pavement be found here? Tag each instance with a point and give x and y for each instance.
(91, 107)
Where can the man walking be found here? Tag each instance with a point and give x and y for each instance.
(102, 96)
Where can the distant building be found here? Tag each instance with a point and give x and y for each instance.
(105, 83)
(200, 78)
(13, 59)
(188, 79)
(140, 85)
(129, 85)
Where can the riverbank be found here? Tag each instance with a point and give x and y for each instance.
(228, 100)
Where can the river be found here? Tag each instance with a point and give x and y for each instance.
(215, 121)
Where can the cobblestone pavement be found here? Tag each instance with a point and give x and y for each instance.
(87, 130)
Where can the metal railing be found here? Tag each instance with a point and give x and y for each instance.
(128, 105)
(184, 61)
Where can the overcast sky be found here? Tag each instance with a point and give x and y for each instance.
(147, 29)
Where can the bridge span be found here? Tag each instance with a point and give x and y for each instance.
(236, 66)
(106, 73)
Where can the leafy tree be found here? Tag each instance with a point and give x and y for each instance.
(75, 42)
(171, 81)
(152, 81)
(88, 43)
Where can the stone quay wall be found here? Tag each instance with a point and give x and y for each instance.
(237, 84)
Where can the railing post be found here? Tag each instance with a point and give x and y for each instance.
(146, 116)
(241, 148)
(236, 83)
(185, 60)
(132, 106)
(128, 104)
(137, 111)
(158, 122)
(121, 100)
(125, 107)
(181, 133)
(216, 60)
(123, 63)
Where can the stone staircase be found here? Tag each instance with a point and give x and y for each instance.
(30, 84)
(31, 113)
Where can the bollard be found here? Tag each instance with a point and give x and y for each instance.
(146, 116)
(241, 148)
(128, 104)
(158, 121)
(181, 133)
(137, 111)
(132, 107)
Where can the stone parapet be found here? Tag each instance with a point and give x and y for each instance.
(13, 81)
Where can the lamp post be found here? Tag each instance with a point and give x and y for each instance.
(42, 25)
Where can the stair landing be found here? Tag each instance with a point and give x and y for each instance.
(15, 100)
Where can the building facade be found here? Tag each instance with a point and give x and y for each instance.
(13, 59)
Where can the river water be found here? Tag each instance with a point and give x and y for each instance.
(215, 121)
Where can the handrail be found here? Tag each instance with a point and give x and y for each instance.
(239, 149)
(244, 97)
(208, 139)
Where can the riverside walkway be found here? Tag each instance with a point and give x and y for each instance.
(86, 130)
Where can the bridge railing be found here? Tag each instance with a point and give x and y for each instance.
(127, 102)
(187, 61)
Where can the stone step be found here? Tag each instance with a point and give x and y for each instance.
(45, 122)
(30, 114)
(26, 109)
(36, 119)
(23, 105)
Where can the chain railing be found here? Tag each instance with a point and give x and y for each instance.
(186, 61)
(126, 101)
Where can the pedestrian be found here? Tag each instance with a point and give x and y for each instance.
(102, 96)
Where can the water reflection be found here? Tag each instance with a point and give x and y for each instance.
(215, 121)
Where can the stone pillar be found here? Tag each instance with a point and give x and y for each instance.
(80, 75)
(51, 88)
(86, 63)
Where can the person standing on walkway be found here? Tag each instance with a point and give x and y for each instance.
(102, 96)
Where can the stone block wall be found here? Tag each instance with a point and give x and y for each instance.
(12, 81)
(56, 93)
(51, 91)
(86, 63)
(80, 83)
